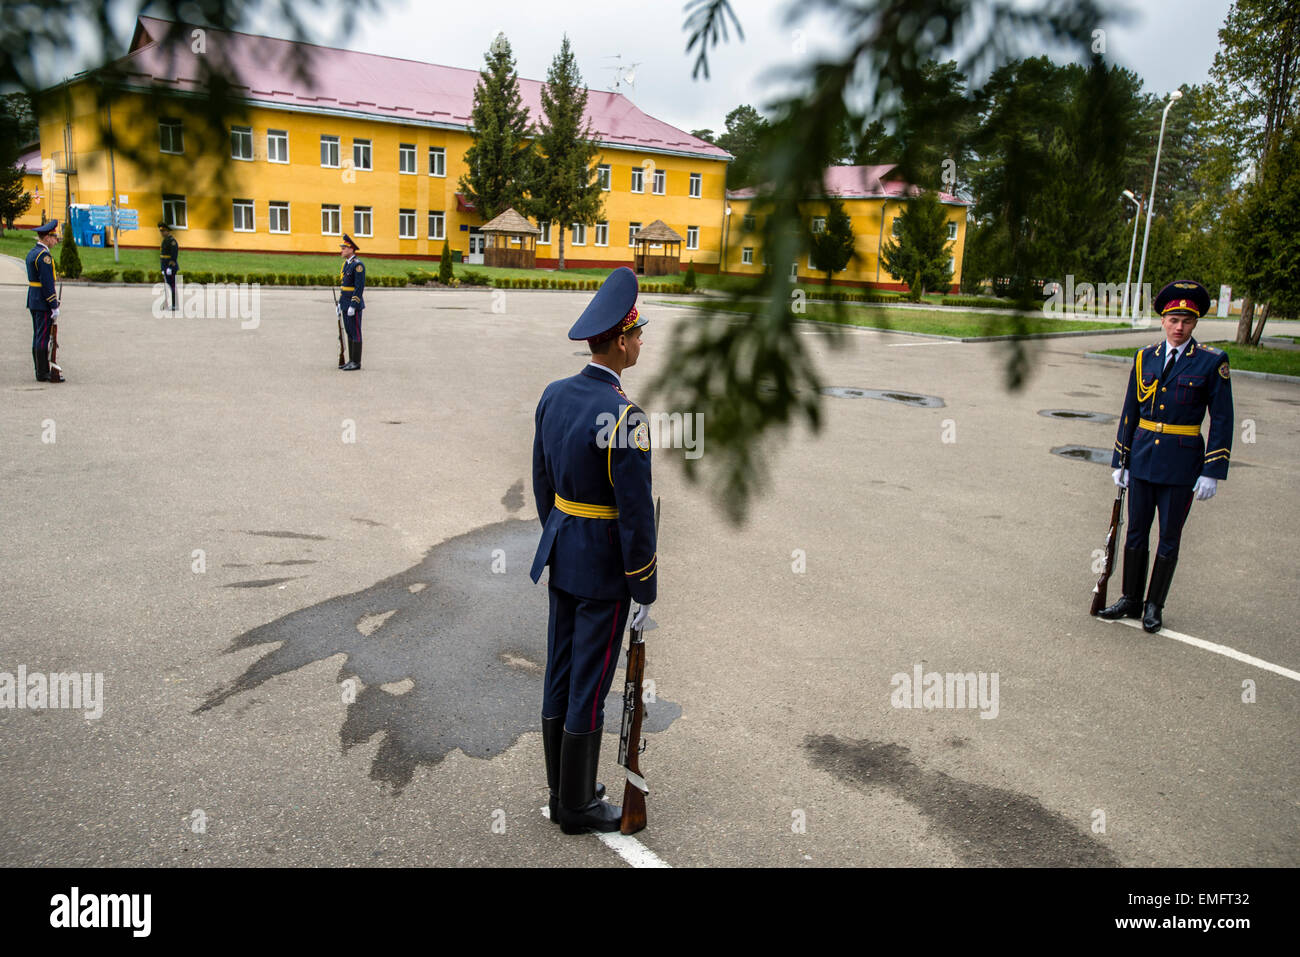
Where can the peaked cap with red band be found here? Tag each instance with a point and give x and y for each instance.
(1183, 295)
(612, 311)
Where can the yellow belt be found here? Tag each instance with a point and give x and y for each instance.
(1166, 427)
(585, 511)
(30, 283)
(348, 288)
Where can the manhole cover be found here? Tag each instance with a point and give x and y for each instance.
(1076, 414)
(906, 398)
(1083, 453)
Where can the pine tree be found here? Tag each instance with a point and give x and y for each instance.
(444, 265)
(920, 257)
(565, 189)
(14, 198)
(69, 258)
(498, 159)
(833, 247)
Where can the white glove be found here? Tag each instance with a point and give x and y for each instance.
(55, 315)
(352, 310)
(167, 271)
(1205, 488)
(640, 614)
(338, 309)
(1121, 477)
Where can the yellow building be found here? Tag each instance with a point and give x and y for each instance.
(372, 146)
(30, 163)
(873, 197)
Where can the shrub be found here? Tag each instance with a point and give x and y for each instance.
(155, 276)
(981, 302)
(101, 275)
(69, 258)
(133, 275)
(444, 267)
(689, 283)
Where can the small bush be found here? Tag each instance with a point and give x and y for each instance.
(155, 276)
(69, 258)
(980, 302)
(444, 267)
(689, 282)
(101, 275)
(132, 275)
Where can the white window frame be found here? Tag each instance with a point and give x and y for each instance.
(177, 128)
(247, 207)
(952, 230)
(438, 168)
(331, 214)
(577, 230)
(273, 208)
(363, 211)
(747, 255)
(330, 146)
(659, 182)
(406, 151)
(632, 229)
(406, 224)
(952, 265)
(697, 185)
(281, 138)
(819, 224)
(692, 237)
(245, 134)
(747, 222)
(896, 227)
(363, 148)
(602, 233)
(545, 238)
(638, 180)
(437, 217)
(176, 202)
(605, 175)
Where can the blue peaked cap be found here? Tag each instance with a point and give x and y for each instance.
(609, 307)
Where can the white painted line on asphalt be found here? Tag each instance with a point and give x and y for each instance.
(1219, 650)
(627, 847)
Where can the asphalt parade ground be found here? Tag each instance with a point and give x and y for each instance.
(307, 594)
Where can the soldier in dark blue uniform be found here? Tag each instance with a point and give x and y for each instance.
(43, 298)
(352, 286)
(591, 480)
(1159, 452)
(169, 259)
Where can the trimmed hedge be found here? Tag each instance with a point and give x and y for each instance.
(857, 296)
(100, 275)
(132, 275)
(979, 302)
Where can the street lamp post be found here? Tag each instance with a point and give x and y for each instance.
(1137, 218)
(1174, 97)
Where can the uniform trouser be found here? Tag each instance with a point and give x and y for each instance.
(41, 320)
(170, 279)
(352, 324)
(1173, 502)
(583, 640)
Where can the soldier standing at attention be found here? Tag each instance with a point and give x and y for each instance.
(598, 535)
(43, 298)
(352, 285)
(169, 259)
(1159, 453)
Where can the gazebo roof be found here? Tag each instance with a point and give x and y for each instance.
(658, 232)
(511, 222)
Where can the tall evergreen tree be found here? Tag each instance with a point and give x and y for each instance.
(832, 248)
(1266, 233)
(14, 198)
(565, 189)
(743, 139)
(920, 256)
(498, 159)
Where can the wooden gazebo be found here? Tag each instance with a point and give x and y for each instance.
(663, 261)
(511, 241)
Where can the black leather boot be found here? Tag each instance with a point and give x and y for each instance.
(1162, 573)
(353, 349)
(552, 738)
(42, 369)
(1135, 579)
(357, 360)
(580, 809)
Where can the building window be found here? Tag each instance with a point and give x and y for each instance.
(406, 224)
(747, 255)
(545, 238)
(631, 233)
(437, 225)
(406, 158)
(697, 185)
(603, 175)
(896, 227)
(279, 217)
(952, 265)
(362, 220)
(660, 179)
(819, 224)
(952, 230)
(579, 235)
(171, 137)
(329, 151)
(638, 180)
(747, 223)
(331, 221)
(437, 161)
(241, 142)
(243, 216)
(361, 154)
(277, 146)
(602, 233)
(174, 212)
(692, 237)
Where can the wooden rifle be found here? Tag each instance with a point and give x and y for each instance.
(56, 371)
(339, 310)
(630, 742)
(1112, 538)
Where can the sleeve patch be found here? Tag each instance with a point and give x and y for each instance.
(1223, 369)
(360, 268)
(641, 436)
(46, 259)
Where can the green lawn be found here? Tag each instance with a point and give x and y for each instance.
(939, 323)
(1245, 358)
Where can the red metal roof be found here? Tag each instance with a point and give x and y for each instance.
(352, 82)
(30, 162)
(860, 182)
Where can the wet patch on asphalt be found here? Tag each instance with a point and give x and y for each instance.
(259, 583)
(885, 395)
(471, 642)
(513, 500)
(1084, 453)
(302, 535)
(984, 825)
(1077, 415)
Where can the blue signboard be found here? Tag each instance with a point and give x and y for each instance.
(128, 219)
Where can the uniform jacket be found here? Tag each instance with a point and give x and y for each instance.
(585, 453)
(169, 256)
(1198, 381)
(352, 280)
(41, 294)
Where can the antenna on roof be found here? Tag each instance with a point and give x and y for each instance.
(624, 75)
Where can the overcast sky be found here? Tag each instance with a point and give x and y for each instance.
(1166, 42)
